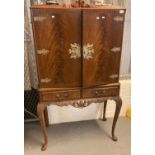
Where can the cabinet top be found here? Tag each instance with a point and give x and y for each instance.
(62, 7)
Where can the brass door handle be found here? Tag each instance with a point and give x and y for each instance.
(88, 51)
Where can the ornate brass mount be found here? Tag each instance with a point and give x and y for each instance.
(113, 76)
(81, 104)
(46, 80)
(115, 49)
(39, 18)
(118, 18)
(88, 51)
(43, 52)
(74, 51)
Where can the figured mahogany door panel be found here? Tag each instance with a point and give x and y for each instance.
(57, 35)
(96, 47)
(116, 44)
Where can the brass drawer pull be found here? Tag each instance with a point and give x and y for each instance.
(88, 51)
(118, 18)
(39, 18)
(97, 17)
(62, 96)
(42, 52)
(75, 51)
(99, 92)
(113, 76)
(66, 94)
(46, 80)
(115, 49)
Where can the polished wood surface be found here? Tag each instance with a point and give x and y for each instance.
(78, 53)
(96, 31)
(56, 33)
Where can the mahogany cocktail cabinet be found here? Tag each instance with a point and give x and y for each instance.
(78, 53)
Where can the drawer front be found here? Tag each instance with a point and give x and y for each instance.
(59, 95)
(100, 92)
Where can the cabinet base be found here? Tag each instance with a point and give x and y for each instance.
(79, 104)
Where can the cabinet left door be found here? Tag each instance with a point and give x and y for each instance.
(57, 38)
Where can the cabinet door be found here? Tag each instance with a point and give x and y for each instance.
(57, 36)
(101, 41)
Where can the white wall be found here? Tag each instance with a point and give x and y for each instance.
(93, 111)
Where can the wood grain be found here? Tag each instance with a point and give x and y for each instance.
(56, 35)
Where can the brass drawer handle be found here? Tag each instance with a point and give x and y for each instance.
(57, 95)
(46, 80)
(118, 18)
(62, 96)
(88, 51)
(115, 49)
(66, 94)
(75, 51)
(99, 92)
(42, 52)
(39, 18)
(113, 76)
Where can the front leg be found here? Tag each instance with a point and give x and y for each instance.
(118, 102)
(40, 111)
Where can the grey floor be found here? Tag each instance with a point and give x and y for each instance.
(80, 138)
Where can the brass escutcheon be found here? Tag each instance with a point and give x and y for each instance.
(74, 51)
(88, 51)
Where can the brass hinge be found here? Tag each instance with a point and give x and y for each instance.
(39, 18)
(113, 76)
(115, 49)
(46, 80)
(118, 18)
(43, 52)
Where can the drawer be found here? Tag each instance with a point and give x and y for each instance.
(47, 96)
(100, 92)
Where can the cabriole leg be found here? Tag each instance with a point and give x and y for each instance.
(118, 102)
(40, 111)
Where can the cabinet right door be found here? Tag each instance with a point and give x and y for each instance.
(102, 44)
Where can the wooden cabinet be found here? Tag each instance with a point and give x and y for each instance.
(78, 53)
